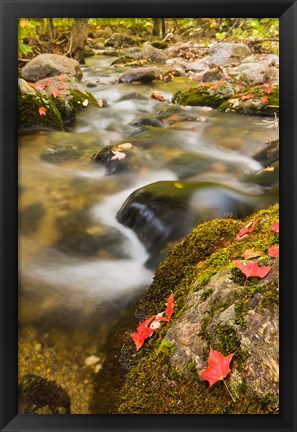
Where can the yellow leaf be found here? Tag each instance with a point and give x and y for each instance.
(178, 185)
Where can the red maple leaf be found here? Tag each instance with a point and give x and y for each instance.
(246, 229)
(218, 367)
(264, 99)
(275, 227)
(252, 269)
(56, 93)
(62, 79)
(61, 87)
(49, 80)
(273, 251)
(267, 91)
(169, 308)
(40, 86)
(247, 97)
(143, 332)
(42, 111)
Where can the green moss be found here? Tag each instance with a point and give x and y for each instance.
(207, 293)
(254, 105)
(159, 44)
(28, 112)
(78, 97)
(204, 95)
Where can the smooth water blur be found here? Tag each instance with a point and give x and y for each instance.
(78, 265)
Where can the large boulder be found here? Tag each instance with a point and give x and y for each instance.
(145, 74)
(152, 54)
(49, 65)
(213, 307)
(225, 53)
(249, 73)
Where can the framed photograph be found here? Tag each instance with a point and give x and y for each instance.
(148, 159)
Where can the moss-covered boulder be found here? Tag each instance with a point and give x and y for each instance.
(207, 94)
(259, 100)
(59, 97)
(214, 307)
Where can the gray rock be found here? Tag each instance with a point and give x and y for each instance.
(271, 60)
(155, 55)
(25, 88)
(224, 53)
(146, 74)
(271, 75)
(48, 65)
(119, 40)
(258, 339)
(250, 73)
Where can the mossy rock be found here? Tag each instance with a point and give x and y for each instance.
(254, 101)
(209, 94)
(159, 44)
(212, 307)
(29, 116)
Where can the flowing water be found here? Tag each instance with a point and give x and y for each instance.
(79, 267)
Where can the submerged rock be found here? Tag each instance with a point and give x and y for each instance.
(132, 95)
(145, 74)
(39, 395)
(60, 154)
(49, 65)
(166, 211)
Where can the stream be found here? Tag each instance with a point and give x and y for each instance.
(80, 267)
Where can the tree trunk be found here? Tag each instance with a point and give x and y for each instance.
(157, 26)
(78, 38)
(163, 27)
(51, 28)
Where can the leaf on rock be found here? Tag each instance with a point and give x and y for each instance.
(40, 86)
(56, 94)
(42, 111)
(251, 253)
(264, 99)
(252, 269)
(169, 308)
(247, 229)
(248, 96)
(275, 227)
(273, 251)
(218, 367)
(118, 155)
(143, 332)
(178, 185)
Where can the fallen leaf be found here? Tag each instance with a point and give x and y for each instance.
(40, 86)
(61, 87)
(264, 99)
(218, 367)
(62, 79)
(100, 103)
(85, 102)
(123, 146)
(251, 253)
(273, 251)
(49, 80)
(247, 229)
(267, 91)
(247, 97)
(118, 155)
(252, 269)
(275, 227)
(143, 332)
(42, 111)
(56, 94)
(178, 185)
(169, 308)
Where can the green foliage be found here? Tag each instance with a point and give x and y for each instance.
(27, 28)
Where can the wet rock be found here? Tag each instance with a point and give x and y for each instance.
(269, 154)
(152, 54)
(49, 65)
(30, 218)
(39, 395)
(117, 158)
(88, 52)
(212, 95)
(224, 53)
(267, 178)
(79, 243)
(166, 211)
(59, 154)
(146, 121)
(132, 95)
(145, 75)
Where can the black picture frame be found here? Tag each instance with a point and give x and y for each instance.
(286, 11)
